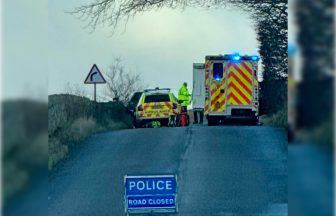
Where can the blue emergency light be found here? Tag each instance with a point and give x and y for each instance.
(254, 58)
(236, 57)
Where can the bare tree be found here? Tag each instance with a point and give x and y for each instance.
(114, 12)
(122, 84)
(75, 89)
(269, 17)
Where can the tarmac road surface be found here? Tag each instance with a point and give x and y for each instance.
(223, 170)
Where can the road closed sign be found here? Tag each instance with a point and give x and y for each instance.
(150, 194)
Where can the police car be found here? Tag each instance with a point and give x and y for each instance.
(156, 105)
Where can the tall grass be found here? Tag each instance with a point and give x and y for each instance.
(278, 119)
(72, 119)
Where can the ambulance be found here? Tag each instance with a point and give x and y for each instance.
(156, 105)
(231, 88)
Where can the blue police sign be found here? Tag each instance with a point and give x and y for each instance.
(150, 194)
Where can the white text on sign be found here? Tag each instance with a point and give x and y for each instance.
(150, 185)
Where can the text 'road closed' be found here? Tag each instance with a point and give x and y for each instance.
(151, 201)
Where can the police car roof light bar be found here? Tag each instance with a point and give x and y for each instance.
(157, 90)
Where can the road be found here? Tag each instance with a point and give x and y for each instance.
(223, 170)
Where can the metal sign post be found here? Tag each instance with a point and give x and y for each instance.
(95, 93)
(95, 77)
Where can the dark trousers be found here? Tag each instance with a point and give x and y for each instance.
(196, 116)
(184, 109)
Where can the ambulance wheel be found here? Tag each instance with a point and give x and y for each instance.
(255, 121)
(212, 121)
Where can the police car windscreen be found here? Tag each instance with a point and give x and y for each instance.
(157, 98)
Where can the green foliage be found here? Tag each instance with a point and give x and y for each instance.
(81, 128)
(279, 119)
(74, 118)
(57, 151)
(14, 178)
(322, 134)
(316, 40)
(273, 96)
(24, 143)
(271, 27)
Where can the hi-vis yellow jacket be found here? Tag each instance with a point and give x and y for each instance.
(184, 96)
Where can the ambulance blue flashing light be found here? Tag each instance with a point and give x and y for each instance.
(254, 58)
(236, 57)
(217, 78)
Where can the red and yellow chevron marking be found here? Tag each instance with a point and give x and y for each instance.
(220, 105)
(239, 91)
(208, 65)
(217, 97)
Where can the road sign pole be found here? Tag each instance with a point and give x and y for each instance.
(94, 94)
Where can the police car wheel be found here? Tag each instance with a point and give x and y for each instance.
(138, 124)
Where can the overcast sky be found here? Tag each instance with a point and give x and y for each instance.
(160, 45)
(24, 48)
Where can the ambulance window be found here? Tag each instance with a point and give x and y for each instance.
(217, 70)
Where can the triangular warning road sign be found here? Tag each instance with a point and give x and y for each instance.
(94, 76)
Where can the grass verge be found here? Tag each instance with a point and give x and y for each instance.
(72, 119)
